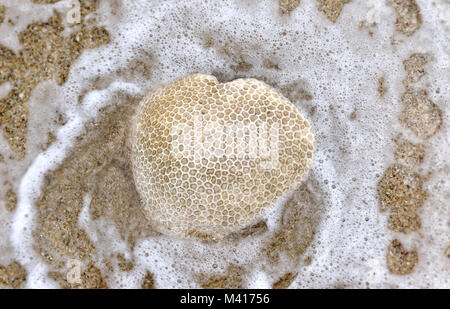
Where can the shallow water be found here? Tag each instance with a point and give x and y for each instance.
(76, 201)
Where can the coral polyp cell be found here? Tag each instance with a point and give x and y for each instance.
(210, 158)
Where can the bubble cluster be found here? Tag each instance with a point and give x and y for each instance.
(229, 186)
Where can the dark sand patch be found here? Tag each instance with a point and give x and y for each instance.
(287, 6)
(403, 221)
(420, 114)
(299, 219)
(124, 264)
(13, 275)
(11, 200)
(400, 190)
(46, 56)
(381, 89)
(414, 67)
(270, 64)
(399, 261)
(233, 279)
(408, 15)
(408, 153)
(251, 231)
(285, 281)
(2, 13)
(148, 282)
(332, 8)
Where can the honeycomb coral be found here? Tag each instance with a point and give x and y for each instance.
(210, 158)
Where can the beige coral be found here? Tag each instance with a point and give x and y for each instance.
(254, 145)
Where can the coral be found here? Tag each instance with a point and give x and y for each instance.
(210, 158)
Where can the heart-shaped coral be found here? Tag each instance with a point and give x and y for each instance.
(210, 158)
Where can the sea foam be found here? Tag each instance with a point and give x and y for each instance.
(338, 64)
